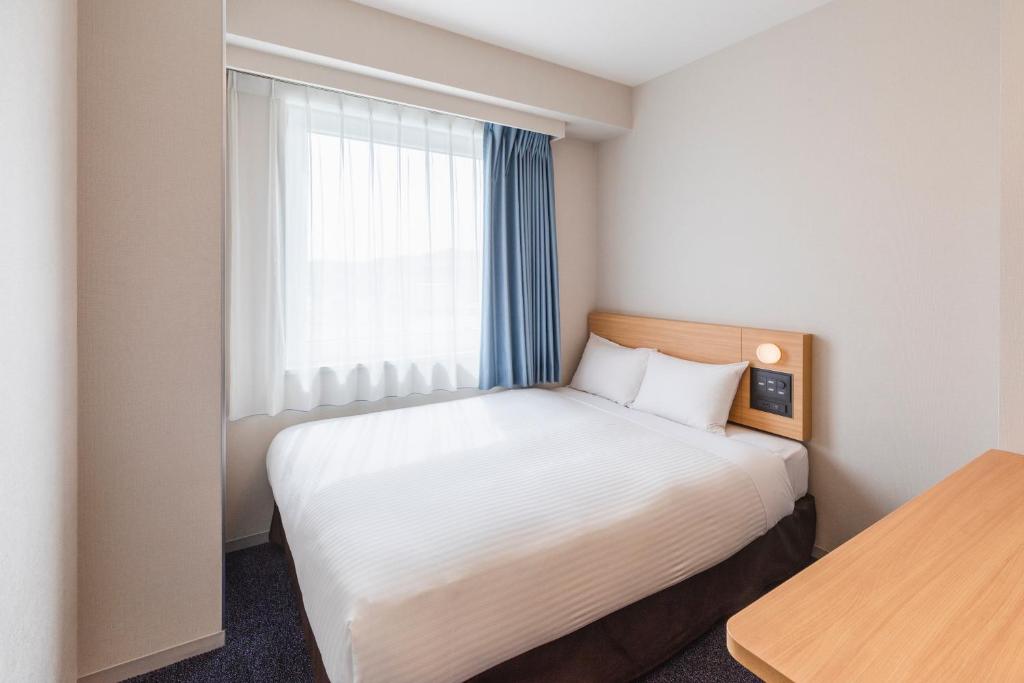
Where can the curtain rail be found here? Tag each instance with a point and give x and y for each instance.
(349, 93)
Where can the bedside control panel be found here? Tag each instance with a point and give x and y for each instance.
(771, 391)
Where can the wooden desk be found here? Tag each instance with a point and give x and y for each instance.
(932, 592)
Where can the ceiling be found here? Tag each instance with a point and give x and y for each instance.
(629, 41)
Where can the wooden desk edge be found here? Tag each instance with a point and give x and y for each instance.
(752, 662)
(768, 673)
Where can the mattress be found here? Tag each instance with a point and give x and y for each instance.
(432, 543)
(793, 454)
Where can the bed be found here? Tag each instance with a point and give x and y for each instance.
(533, 534)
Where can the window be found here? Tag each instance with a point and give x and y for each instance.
(369, 217)
(391, 252)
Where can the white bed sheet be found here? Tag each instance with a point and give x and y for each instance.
(432, 543)
(792, 453)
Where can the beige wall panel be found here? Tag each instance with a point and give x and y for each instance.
(1011, 338)
(576, 220)
(151, 90)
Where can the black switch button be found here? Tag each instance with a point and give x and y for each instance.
(770, 391)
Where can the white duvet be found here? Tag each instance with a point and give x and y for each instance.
(432, 543)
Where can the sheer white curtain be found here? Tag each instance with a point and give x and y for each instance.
(355, 255)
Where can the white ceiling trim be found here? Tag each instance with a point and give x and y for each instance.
(266, 59)
(627, 41)
(364, 41)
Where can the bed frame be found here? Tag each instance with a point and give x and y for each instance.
(639, 637)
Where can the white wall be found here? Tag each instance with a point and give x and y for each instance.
(575, 163)
(1011, 385)
(151, 92)
(838, 175)
(37, 340)
(249, 499)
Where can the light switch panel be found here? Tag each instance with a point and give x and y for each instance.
(771, 391)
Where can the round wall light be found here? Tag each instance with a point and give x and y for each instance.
(769, 353)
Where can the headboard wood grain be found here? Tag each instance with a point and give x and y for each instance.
(708, 343)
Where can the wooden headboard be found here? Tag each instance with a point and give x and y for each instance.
(725, 344)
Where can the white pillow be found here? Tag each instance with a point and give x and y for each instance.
(694, 394)
(610, 370)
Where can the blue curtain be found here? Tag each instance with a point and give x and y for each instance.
(520, 338)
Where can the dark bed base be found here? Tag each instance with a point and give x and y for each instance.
(637, 638)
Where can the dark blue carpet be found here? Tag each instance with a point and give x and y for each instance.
(265, 645)
(261, 617)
